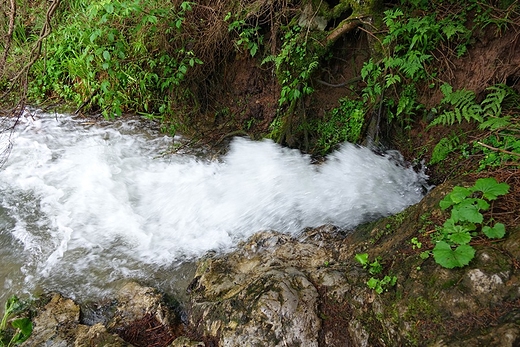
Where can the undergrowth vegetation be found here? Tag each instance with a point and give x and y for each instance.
(496, 114)
(109, 58)
(165, 61)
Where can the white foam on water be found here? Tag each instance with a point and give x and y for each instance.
(83, 206)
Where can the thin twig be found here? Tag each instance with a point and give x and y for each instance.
(9, 37)
(498, 149)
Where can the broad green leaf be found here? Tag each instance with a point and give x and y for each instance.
(26, 327)
(253, 50)
(109, 8)
(449, 227)
(362, 258)
(457, 195)
(490, 188)
(375, 267)
(467, 212)
(446, 203)
(460, 237)
(496, 232)
(447, 257)
(482, 204)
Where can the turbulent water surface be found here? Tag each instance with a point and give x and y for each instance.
(85, 207)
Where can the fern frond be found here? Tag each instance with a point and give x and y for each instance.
(314, 65)
(446, 118)
(472, 112)
(268, 59)
(459, 98)
(494, 123)
(492, 104)
(463, 106)
(444, 148)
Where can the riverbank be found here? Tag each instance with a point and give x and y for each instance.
(278, 290)
(438, 81)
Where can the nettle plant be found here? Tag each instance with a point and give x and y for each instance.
(453, 239)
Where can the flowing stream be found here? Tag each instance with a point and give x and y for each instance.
(84, 207)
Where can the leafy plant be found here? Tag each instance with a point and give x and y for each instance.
(248, 35)
(22, 326)
(379, 285)
(294, 65)
(463, 106)
(415, 243)
(406, 48)
(442, 149)
(501, 144)
(453, 247)
(498, 150)
(117, 56)
(343, 123)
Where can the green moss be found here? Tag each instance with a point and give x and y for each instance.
(449, 284)
(421, 309)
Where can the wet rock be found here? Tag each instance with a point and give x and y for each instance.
(137, 314)
(134, 302)
(97, 335)
(258, 295)
(279, 290)
(183, 341)
(57, 324)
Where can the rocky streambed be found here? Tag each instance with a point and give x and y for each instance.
(278, 290)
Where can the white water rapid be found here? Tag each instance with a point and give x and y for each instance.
(85, 206)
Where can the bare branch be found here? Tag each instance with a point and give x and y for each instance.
(9, 37)
(8, 122)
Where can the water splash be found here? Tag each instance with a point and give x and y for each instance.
(83, 206)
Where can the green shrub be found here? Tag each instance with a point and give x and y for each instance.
(118, 56)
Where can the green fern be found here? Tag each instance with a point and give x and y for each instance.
(492, 104)
(444, 148)
(463, 106)
(494, 123)
(492, 108)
